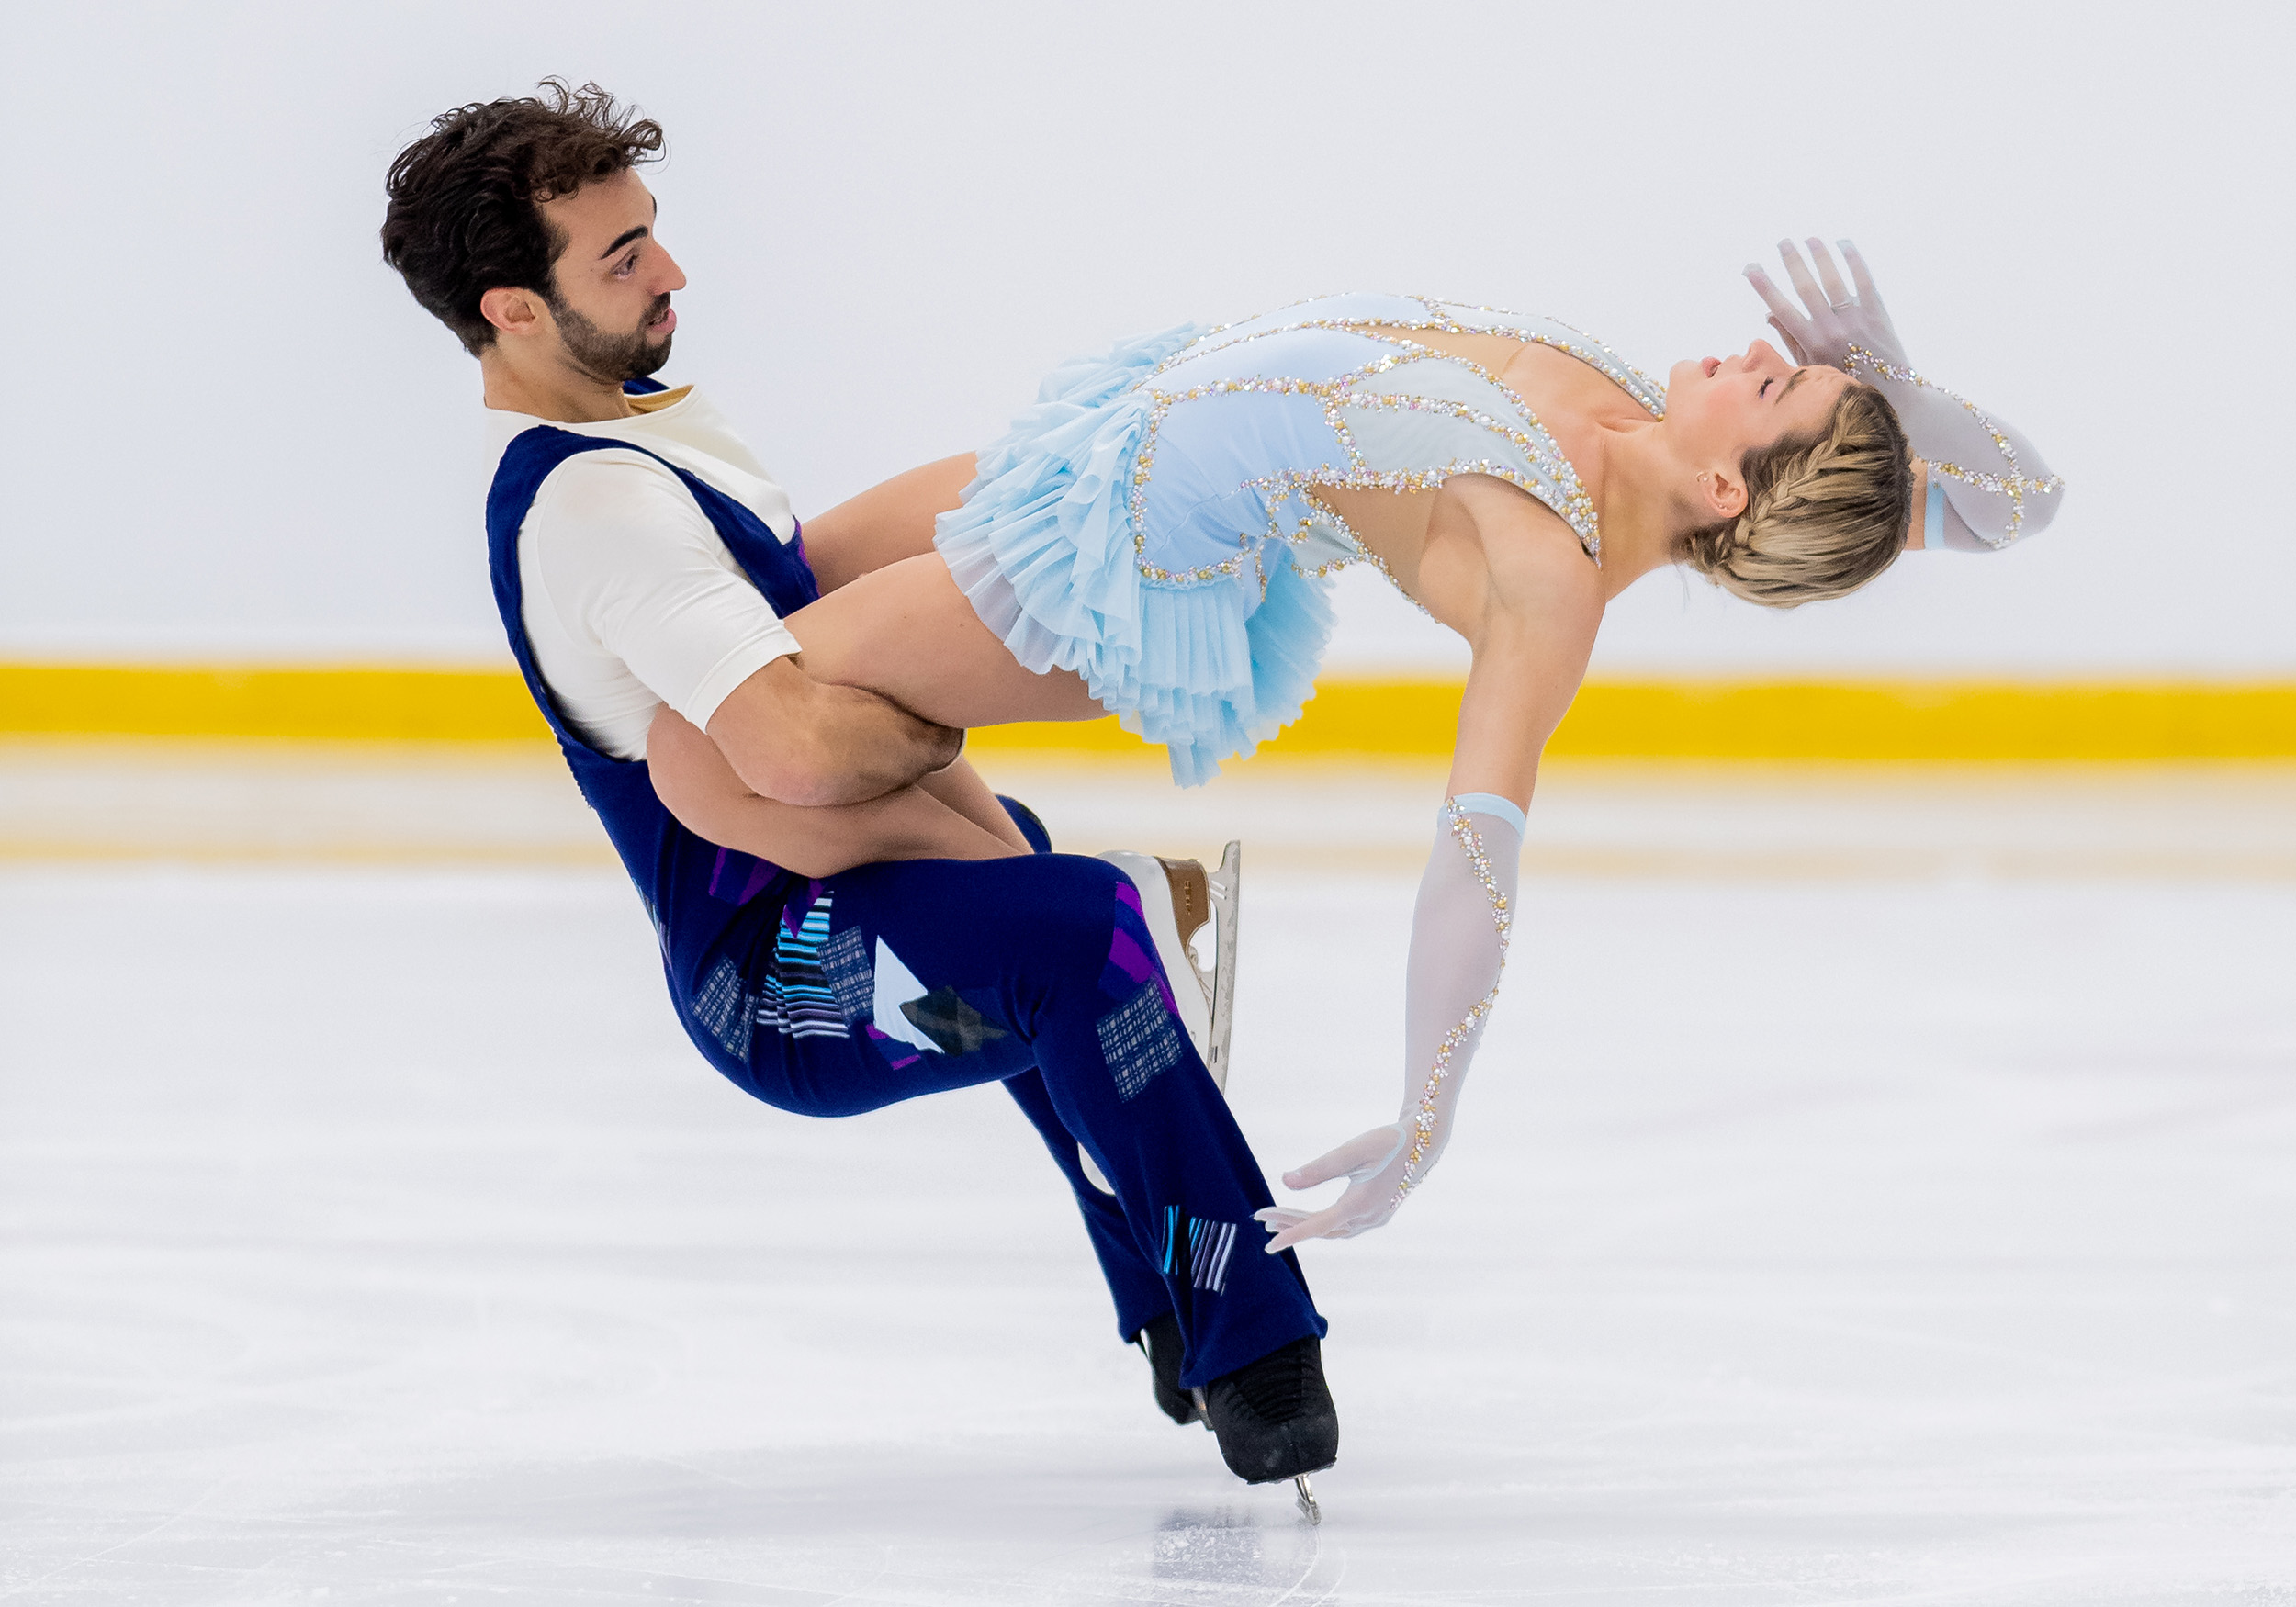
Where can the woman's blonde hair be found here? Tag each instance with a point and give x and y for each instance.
(1825, 513)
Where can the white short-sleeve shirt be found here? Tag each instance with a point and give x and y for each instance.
(630, 601)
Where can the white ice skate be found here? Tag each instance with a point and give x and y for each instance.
(1178, 897)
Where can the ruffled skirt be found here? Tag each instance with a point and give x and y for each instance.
(1044, 547)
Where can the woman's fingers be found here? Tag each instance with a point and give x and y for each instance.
(1366, 1159)
(1363, 1152)
(1829, 275)
(1813, 298)
(1323, 1169)
(1783, 311)
(1792, 343)
(1306, 1227)
(1858, 276)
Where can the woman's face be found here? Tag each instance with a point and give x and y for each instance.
(1719, 408)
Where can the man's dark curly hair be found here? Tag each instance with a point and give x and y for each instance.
(465, 216)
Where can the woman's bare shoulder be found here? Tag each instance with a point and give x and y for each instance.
(1539, 573)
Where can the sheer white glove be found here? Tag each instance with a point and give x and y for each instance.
(1995, 487)
(1459, 947)
(1373, 1164)
(1830, 319)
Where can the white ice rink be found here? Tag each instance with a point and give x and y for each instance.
(1893, 1208)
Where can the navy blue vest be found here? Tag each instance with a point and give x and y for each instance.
(705, 901)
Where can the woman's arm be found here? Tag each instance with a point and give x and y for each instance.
(1543, 602)
(1982, 483)
(698, 786)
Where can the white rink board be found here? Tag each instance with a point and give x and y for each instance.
(373, 1236)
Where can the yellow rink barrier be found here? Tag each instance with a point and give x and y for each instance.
(1888, 720)
(356, 703)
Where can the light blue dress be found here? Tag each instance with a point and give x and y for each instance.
(1147, 524)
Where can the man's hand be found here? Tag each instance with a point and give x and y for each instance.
(1830, 319)
(793, 740)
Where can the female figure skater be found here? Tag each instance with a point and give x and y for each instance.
(1153, 539)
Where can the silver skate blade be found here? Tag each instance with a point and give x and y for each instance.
(1151, 878)
(1093, 1174)
(1308, 1509)
(1226, 885)
(1203, 1410)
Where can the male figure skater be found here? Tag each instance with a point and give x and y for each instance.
(915, 933)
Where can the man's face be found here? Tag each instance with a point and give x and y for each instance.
(613, 280)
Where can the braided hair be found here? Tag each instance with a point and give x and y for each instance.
(1825, 512)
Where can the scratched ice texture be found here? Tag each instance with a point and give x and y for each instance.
(370, 1236)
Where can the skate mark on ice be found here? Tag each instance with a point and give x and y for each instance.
(159, 1528)
(1246, 1559)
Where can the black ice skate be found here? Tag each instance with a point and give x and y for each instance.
(1274, 1418)
(1160, 1343)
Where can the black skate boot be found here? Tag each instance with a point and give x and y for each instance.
(1276, 1420)
(1160, 1343)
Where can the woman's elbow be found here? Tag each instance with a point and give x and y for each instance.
(2041, 509)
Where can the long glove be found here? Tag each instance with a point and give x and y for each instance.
(1459, 947)
(1994, 486)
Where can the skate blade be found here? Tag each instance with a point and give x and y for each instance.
(1174, 901)
(1225, 887)
(1305, 1495)
(1093, 1174)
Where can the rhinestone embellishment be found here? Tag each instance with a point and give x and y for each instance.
(1420, 1137)
(2014, 485)
(1515, 445)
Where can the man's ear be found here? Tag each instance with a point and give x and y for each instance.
(514, 312)
(1721, 494)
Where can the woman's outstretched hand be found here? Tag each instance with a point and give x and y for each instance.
(1373, 1163)
(1830, 319)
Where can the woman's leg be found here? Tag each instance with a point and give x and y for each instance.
(906, 632)
(885, 524)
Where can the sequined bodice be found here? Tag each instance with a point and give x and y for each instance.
(1333, 392)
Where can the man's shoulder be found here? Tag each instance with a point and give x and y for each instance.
(650, 465)
(617, 473)
(613, 492)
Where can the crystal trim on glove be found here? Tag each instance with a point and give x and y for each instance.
(2014, 485)
(1422, 1132)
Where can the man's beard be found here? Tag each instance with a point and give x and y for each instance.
(610, 357)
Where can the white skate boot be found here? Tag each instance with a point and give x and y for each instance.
(1178, 897)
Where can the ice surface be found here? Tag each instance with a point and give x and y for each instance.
(372, 1235)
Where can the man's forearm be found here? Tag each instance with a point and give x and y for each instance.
(795, 740)
(865, 745)
(910, 824)
(694, 781)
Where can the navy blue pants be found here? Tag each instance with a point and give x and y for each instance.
(1037, 972)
